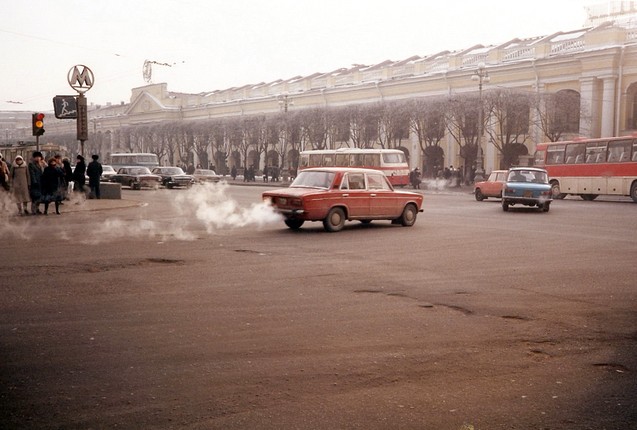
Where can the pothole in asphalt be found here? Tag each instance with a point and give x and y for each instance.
(457, 308)
(612, 367)
(515, 317)
(250, 251)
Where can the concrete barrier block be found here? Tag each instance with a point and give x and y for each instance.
(109, 190)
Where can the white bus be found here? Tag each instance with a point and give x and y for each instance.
(124, 159)
(391, 161)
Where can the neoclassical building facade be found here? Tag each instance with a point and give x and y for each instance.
(599, 63)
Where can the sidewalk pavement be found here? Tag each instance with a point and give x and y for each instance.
(76, 205)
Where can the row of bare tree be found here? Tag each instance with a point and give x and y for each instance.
(509, 116)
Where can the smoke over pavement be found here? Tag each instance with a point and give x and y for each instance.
(206, 205)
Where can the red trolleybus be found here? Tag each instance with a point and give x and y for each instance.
(392, 162)
(591, 167)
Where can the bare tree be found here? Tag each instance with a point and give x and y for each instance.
(510, 117)
(462, 114)
(162, 141)
(257, 136)
(271, 139)
(558, 113)
(238, 137)
(338, 127)
(201, 141)
(364, 124)
(220, 149)
(428, 123)
(313, 128)
(393, 123)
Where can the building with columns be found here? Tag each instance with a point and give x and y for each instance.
(598, 63)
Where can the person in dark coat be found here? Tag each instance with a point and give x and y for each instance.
(79, 174)
(52, 178)
(68, 176)
(36, 166)
(94, 172)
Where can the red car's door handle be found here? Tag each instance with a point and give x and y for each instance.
(346, 195)
(372, 195)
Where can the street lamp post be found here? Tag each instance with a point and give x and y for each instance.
(284, 103)
(481, 76)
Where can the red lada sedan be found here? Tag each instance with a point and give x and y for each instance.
(334, 195)
(492, 187)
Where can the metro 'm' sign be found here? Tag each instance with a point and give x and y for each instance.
(80, 78)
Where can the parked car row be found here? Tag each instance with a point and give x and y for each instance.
(137, 177)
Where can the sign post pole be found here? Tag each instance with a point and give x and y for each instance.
(82, 121)
(81, 79)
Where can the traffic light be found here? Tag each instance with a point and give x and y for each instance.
(38, 124)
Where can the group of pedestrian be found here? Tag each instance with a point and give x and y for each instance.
(39, 182)
(271, 173)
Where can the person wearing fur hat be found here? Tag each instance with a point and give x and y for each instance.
(20, 182)
(52, 177)
(79, 174)
(35, 178)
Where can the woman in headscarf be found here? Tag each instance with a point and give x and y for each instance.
(20, 182)
(52, 178)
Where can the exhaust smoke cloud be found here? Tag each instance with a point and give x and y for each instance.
(206, 206)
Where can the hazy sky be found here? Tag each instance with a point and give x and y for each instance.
(218, 44)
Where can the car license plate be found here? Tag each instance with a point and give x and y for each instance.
(528, 194)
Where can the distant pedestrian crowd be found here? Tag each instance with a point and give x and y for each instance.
(41, 182)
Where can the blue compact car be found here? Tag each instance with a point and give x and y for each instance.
(527, 186)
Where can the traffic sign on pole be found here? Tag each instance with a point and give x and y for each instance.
(65, 107)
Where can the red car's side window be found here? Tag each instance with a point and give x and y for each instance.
(356, 181)
(377, 182)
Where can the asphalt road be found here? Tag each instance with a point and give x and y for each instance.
(200, 312)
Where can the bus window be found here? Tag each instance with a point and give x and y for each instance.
(372, 160)
(538, 160)
(305, 160)
(357, 159)
(328, 160)
(634, 150)
(315, 159)
(555, 154)
(619, 151)
(342, 160)
(575, 153)
(596, 152)
(393, 157)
